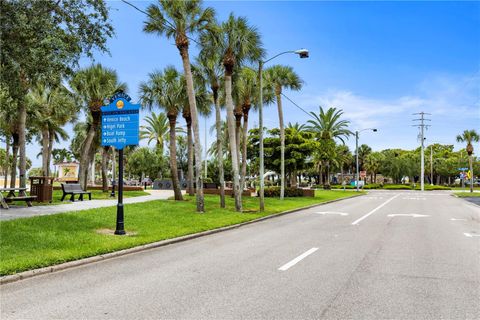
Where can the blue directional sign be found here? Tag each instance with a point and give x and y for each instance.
(120, 122)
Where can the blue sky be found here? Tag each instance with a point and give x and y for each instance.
(378, 61)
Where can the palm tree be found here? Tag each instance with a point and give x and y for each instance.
(237, 42)
(177, 19)
(344, 157)
(469, 136)
(53, 108)
(372, 164)
(156, 130)
(210, 66)
(328, 126)
(164, 89)
(363, 152)
(280, 77)
(91, 86)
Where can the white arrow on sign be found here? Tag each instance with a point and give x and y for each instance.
(469, 235)
(332, 212)
(414, 215)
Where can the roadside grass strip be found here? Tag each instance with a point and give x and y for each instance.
(467, 194)
(43, 241)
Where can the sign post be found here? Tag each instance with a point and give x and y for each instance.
(120, 121)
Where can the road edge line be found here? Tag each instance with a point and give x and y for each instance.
(80, 262)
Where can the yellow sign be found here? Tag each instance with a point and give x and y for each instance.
(469, 174)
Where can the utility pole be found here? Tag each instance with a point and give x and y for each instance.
(431, 165)
(422, 126)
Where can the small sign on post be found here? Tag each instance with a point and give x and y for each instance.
(363, 174)
(120, 128)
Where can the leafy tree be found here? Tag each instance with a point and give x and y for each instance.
(178, 19)
(156, 130)
(144, 162)
(469, 136)
(43, 41)
(363, 152)
(372, 163)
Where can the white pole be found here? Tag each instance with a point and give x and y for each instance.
(422, 171)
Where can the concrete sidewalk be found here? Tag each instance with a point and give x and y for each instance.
(17, 212)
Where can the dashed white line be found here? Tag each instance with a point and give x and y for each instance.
(290, 264)
(374, 210)
(470, 235)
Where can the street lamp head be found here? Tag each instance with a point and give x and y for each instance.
(374, 130)
(303, 53)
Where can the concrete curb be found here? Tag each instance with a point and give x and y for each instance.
(81, 262)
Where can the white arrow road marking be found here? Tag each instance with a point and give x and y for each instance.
(332, 212)
(469, 235)
(455, 219)
(297, 259)
(414, 215)
(366, 216)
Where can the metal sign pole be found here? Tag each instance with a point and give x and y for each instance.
(120, 230)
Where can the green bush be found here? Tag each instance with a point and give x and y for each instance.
(430, 187)
(273, 192)
(397, 187)
(373, 186)
(208, 180)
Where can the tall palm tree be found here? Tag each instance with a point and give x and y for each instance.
(91, 86)
(209, 65)
(469, 136)
(178, 19)
(164, 89)
(237, 42)
(282, 77)
(53, 108)
(246, 87)
(363, 152)
(328, 126)
(157, 130)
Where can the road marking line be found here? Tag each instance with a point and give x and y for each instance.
(297, 259)
(380, 206)
(455, 219)
(469, 235)
(332, 212)
(414, 215)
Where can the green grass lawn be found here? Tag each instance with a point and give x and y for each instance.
(46, 240)
(96, 195)
(467, 194)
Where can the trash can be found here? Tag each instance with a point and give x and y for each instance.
(42, 187)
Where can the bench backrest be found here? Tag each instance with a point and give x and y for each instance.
(70, 187)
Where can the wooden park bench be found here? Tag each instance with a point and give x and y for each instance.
(22, 196)
(73, 189)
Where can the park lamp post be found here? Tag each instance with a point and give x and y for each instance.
(356, 155)
(302, 53)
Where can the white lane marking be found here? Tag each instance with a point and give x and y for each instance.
(469, 235)
(380, 206)
(332, 212)
(413, 198)
(455, 219)
(372, 198)
(297, 259)
(414, 215)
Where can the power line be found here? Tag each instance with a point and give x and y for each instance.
(296, 105)
(165, 22)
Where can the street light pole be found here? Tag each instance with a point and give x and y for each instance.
(303, 53)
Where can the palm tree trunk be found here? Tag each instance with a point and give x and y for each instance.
(238, 127)
(190, 176)
(244, 149)
(51, 136)
(85, 156)
(173, 157)
(282, 144)
(218, 126)
(7, 157)
(105, 154)
(233, 144)
(196, 131)
(471, 172)
(22, 118)
(13, 168)
(44, 151)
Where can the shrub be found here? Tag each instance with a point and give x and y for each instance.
(372, 186)
(397, 187)
(273, 192)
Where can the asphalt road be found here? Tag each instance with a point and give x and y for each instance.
(395, 255)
